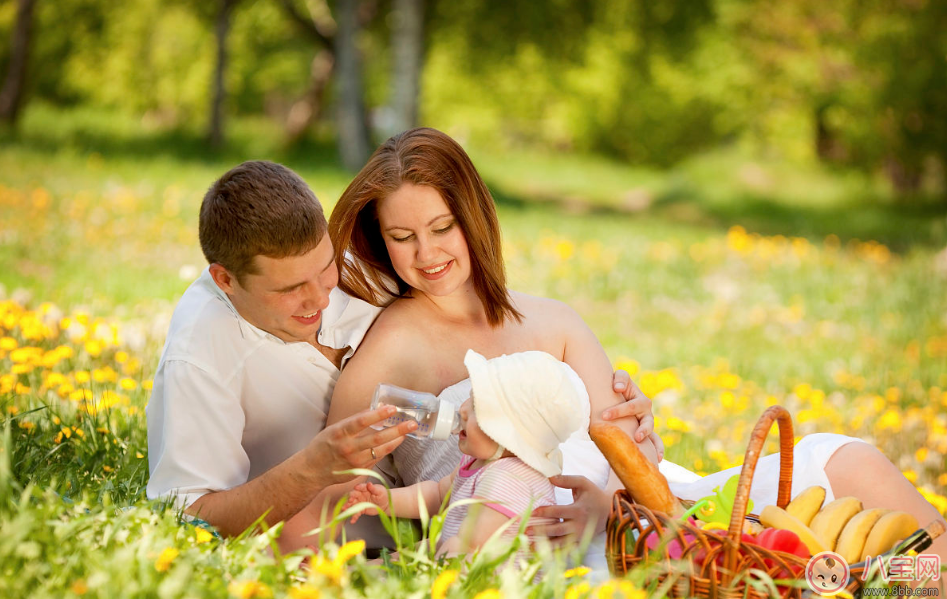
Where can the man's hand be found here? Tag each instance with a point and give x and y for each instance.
(352, 443)
(636, 404)
(589, 510)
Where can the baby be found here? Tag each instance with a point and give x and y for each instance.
(522, 406)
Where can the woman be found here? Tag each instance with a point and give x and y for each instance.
(417, 230)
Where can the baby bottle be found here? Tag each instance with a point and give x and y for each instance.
(436, 418)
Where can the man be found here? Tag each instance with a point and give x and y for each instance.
(237, 414)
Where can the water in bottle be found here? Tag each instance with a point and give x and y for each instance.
(436, 418)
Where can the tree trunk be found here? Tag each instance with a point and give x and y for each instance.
(308, 109)
(11, 95)
(352, 127)
(215, 131)
(407, 41)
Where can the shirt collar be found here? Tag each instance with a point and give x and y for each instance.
(344, 321)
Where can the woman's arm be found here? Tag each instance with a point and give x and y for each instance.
(381, 358)
(583, 352)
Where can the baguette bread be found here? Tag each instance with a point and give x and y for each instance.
(642, 479)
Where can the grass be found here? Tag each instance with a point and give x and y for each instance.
(724, 285)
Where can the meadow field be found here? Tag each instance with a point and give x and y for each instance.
(724, 285)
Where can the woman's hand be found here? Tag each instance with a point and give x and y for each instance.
(636, 404)
(589, 511)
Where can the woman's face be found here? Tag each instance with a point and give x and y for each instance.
(428, 250)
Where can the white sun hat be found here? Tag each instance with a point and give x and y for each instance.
(528, 402)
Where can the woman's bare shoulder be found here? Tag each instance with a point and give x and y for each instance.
(536, 308)
(393, 328)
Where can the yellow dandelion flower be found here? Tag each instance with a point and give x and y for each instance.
(82, 376)
(121, 357)
(128, 384)
(802, 391)
(94, 347)
(66, 431)
(350, 550)
(580, 571)
(306, 591)
(328, 568)
(107, 468)
(676, 424)
(578, 590)
(163, 563)
(629, 591)
(21, 368)
(728, 380)
(54, 379)
(911, 475)
(564, 249)
(26, 355)
(921, 454)
(79, 587)
(489, 594)
(8, 343)
(628, 365)
(139, 455)
(147, 385)
(249, 589)
(202, 535)
(442, 582)
(891, 419)
(27, 426)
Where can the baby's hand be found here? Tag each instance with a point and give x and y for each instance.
(370, 493)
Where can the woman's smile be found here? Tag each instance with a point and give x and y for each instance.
(426, 246)
(437, 271)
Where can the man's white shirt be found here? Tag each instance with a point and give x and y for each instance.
(231, 401)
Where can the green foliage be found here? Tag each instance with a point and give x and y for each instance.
(853, 84)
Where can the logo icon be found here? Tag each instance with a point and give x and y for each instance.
(827, 573)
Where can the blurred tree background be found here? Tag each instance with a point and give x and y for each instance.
(856, 84)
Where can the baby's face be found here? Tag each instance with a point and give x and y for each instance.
(473, 441)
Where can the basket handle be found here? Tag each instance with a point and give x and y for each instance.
(742, 498)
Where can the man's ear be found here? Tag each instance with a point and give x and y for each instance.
(224, 279)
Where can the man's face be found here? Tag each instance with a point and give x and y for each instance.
(287, 295)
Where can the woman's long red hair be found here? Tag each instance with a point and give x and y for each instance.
(421, 156)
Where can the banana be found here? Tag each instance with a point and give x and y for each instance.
(807, 504)
(852, 539)
(829, 522)
(775, 517)
(889, 529)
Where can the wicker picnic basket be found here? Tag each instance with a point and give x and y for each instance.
(692, 562)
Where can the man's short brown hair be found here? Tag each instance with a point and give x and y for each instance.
(258, 208)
